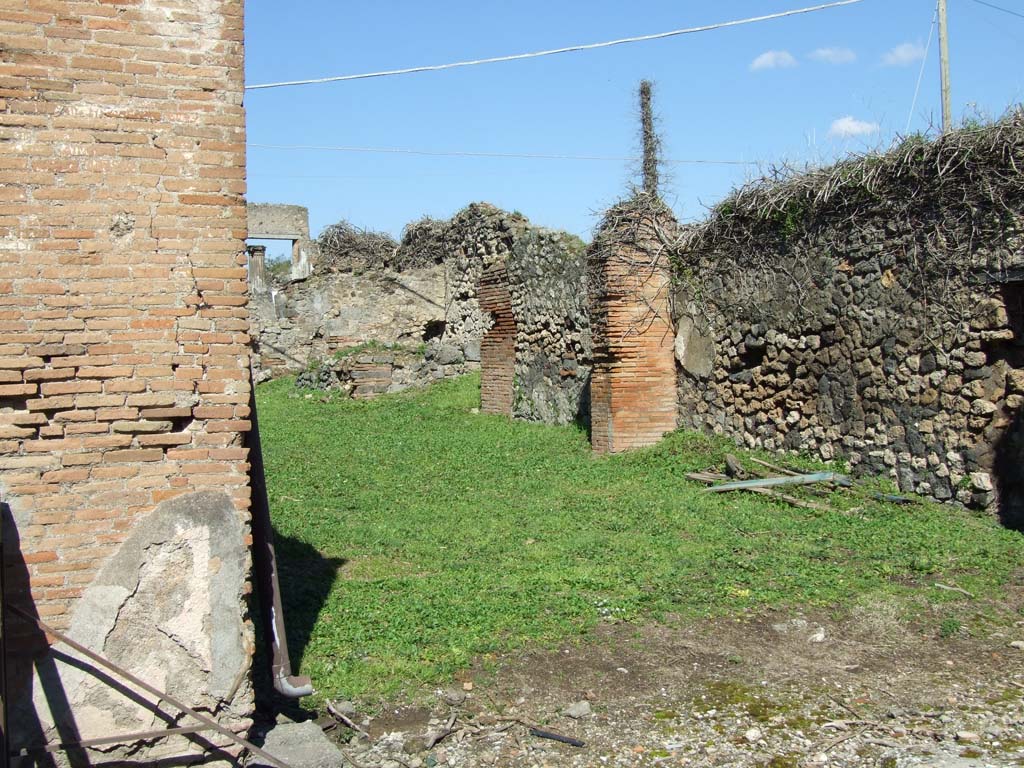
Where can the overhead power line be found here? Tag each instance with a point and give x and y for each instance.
(1000, 8)
(920, 75)
(553, 51)
(521, 155)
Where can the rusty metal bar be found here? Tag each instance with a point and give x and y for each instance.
(128, 738)
(153, 691)
(264, 561)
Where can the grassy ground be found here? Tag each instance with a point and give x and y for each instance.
(415, 535)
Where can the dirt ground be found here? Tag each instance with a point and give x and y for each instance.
(777, 689)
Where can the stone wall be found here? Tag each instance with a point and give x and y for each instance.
(274, 221)
(477, 238)
(124, 359)
(371, 372)
(426, 291)
(632, 386)
(306, 321)
(547, 279)
(870, 312)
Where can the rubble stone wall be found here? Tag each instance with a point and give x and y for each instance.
(547, 280)
(886, 329)
(308, 320)
(124, 349)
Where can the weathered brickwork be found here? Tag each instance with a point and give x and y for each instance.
(123, 330)
(632, 386)
(498, 347)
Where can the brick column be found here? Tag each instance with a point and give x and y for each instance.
(124, 353)
(498, 347)
(633, 381)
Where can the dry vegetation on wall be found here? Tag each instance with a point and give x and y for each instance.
(346, 247)
(955, 194)
(423, 244)
(639, 234)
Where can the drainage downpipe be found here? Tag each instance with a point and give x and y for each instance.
(264, 562)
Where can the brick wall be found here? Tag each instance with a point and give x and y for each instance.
(123, 331)
(497, 349)
(632, 385)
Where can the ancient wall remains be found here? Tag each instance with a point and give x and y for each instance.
(547, 279)
(423, 292)
(364, 373)
(632, 385)
(478, 237)
(542, 322)
(273, 221)
(302, 322)
(124, 359)
(871, 311)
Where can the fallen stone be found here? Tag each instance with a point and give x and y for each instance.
(453, 696)
(968, 737)
(347, 708)
(1017, 645)
(752, 735)
(578, 709)
(414, 745)
(981, 481)
(300, 745)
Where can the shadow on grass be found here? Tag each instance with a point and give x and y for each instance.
(306, 579)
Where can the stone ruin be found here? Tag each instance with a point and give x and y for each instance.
(272, 221)
(523, 289)
(872, 312)
(875, 323)
(377, 318)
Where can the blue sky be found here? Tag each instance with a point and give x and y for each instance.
(802, 88)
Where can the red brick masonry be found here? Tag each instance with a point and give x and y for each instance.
(123, 333)
(633, 381)
(497, 349)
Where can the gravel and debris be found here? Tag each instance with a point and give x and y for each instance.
(766, 692)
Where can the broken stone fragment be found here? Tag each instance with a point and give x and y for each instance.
(578, 709)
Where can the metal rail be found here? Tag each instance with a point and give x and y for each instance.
(152, 690)
(127, 738)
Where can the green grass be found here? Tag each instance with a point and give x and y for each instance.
(415, 535)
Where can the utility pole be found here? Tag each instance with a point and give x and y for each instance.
(947, 112)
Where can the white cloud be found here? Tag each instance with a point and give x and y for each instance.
(848, 126)
(903, 54)
(773, 60)
(834, 55)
